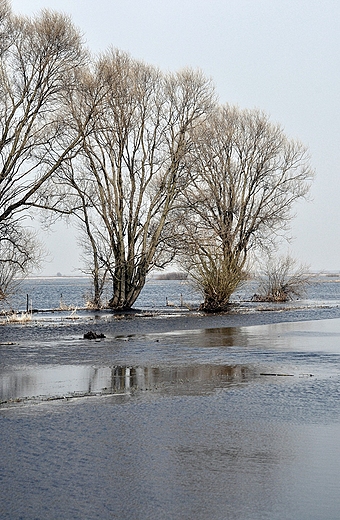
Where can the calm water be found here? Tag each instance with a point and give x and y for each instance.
(199, 422)
(51, 293)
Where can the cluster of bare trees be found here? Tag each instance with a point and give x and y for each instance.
(148, 164)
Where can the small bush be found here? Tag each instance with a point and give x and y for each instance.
(282, 280)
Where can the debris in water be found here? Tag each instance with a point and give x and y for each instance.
(93, 335)
(276, 375)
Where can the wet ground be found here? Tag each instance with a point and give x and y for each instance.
(181, 416)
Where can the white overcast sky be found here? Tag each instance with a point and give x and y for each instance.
(282, 56)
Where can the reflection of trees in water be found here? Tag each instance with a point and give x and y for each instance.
(226, 337)
(189, 378)
(84, 380)
(16, 384)
(123, 378)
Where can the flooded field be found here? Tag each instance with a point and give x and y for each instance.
(172, 415)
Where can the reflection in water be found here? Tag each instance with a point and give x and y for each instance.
(205, 338)
(56, 381)
(226, 337)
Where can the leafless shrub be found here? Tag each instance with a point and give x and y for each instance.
(282, 280)
(24, 317)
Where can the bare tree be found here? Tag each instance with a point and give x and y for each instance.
(40, 59)
(245, 176)
(131, 169)
(20, 252)
(282, 280)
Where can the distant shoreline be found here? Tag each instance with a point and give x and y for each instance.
(171, 275)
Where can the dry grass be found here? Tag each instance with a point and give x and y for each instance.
(24, 317)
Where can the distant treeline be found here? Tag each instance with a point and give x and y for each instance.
(171, 276)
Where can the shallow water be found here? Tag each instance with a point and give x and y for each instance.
(222, 457)
(217, 422)
(51, 293)
(198, 358)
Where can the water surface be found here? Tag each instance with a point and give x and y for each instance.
(219, 423)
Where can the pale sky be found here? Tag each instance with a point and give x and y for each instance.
(282, 56)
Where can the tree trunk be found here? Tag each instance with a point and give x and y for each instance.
(127, 286)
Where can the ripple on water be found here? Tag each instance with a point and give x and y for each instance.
(207, 436)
